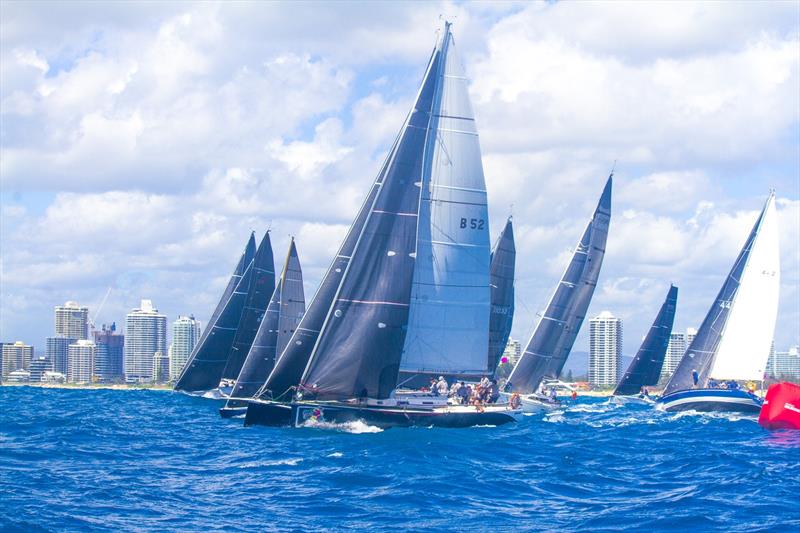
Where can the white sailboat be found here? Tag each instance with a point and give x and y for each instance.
(733, 343)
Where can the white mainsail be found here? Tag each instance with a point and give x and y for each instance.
(448, 327)
(746, 339)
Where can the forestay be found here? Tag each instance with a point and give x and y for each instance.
(448, 326)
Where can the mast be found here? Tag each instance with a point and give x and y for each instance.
(448, 326)
(552, 340)
(261, 287)
(358, 351)
(275, 327)
(210, 353)
(502, 290)
(645, 368)
(738, 328)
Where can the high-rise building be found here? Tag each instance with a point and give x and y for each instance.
(678, 343)
(605, 350)
(72, 320)
(785, 365)
(185, 334)
(512, 352)
(160, 367)
(80, 368)
(57, 349)
(39, 365)
(146, 334)
(108, 366)
(16, 356)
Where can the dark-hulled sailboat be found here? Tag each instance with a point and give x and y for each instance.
(733, 342)
(354, 366)
(552, 339)
(502, 294)
(645, 368)
(253, 282)
(285, 309)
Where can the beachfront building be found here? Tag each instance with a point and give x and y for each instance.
(57, 349)
(72, 320)
(145, 334)
(39, 365)
(512, 352)
(605, 350)
(80, 368)
(108, 366)
(785, 365)
(678, 342)
(16, 356)
(185, 334)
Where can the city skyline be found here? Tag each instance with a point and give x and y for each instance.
(170, 221)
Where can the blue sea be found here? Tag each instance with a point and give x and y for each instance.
(99, 460)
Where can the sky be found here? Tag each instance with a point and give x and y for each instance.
(140, 143)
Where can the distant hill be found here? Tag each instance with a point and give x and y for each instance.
(578, 362)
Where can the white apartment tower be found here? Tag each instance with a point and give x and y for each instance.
(678, 343)
(16, 356)
(145, 334)
(605, 350)
(72, 321)
(185, 334)
(80, 361)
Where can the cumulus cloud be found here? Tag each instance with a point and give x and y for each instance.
(141, 146)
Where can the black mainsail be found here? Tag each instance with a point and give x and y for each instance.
(502, 294)
(285, 308)
(645, 368)
(359, 349)
(262, 286)
(203, 369)
(552, 340)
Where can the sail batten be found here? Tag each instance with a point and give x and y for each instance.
(554, 335)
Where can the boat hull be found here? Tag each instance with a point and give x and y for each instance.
(781, 409)
(711, 400)
(232, 412)
(533, 403)
(388, 417)
(268, 413)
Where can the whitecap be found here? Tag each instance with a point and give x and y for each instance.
(355, 427)
(335, 454)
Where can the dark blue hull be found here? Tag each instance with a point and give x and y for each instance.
(711, 400)
(300, 414)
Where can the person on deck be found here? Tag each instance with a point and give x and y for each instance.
(463, 393)
(442, 386)
(695, 377)
(434, 388)
(494, 392)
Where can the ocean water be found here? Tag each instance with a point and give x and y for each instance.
(96, 460)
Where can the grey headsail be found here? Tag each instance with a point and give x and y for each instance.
(699, 356)
(645, 368)
(552, 340)
(286, 305)
(359, 349)
(203, 369)
(502, 289)
(262, 286)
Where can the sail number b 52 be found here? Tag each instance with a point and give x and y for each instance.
(472, 223)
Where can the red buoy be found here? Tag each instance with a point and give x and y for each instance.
(781, 409)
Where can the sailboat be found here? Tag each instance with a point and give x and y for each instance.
(240, 307)
(383, 316)
(552, 339)
(502, 294)
(734, 340)
(284, 311)
(645, 368)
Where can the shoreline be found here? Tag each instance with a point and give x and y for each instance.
(111, 386)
